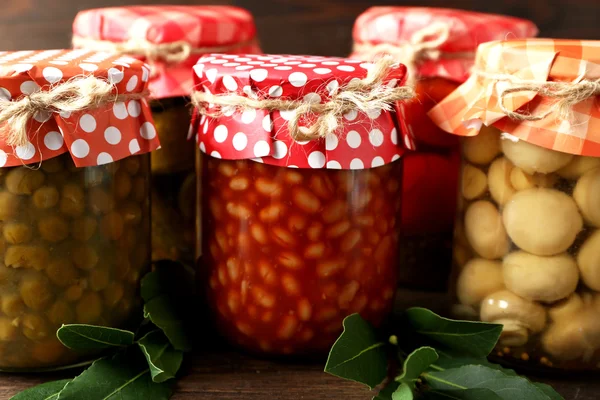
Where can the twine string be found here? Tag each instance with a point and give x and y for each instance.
(77, 94)
(565, 95)
(171, 53)
(423, 45)
(369, 93)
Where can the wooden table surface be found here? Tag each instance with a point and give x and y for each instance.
(229, 375)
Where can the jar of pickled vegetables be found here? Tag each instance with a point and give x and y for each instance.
(438, 46)
(302, 195)
(527, 242)
(74, 202)
(170, 39)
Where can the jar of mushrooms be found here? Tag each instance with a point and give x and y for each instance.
(74, 202)
(527, 238)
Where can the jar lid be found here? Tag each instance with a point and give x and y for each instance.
(542, 91)
(170, 38)
(441, 41)
(89, 104)
(300, 111)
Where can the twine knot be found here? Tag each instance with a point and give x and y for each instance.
(74, 95)
(367, 94)
(423, 45)
(565, 94)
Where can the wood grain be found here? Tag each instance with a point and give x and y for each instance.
(234, 376)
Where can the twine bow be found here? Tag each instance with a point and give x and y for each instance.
(77, 94)
(171, 53)
(423, 45)
(565, 94)
(367, 94)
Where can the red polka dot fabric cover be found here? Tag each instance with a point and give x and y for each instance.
(468, 29)
(365, 139)
(93, 137)
(200, 26)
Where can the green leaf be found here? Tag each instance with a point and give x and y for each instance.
(467, 394)
(45, 391)
(165, 314)
(415, 364)
(164, 361)
(451, 359)
(404, 392)
(126, 376)
(387, 391)
(480, 377)
(92, 337)
(150, 286)
(549, 391)
(358, 355)
(477, 339)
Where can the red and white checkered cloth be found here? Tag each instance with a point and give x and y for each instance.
(200, 26)
(531, 60)
(468, 29)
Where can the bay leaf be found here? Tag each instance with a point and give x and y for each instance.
(166, 315)
(164, 361)
(549, 391)
(404, 392)
(473, 338)
(415, 364)
(466, 394)
(387, 391)
(126, 376)
(452, 359)
(92, 337)
(480, 377)
(358, 355)
(45, 391)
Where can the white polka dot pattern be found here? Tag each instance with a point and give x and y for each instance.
(199, 25)
(365, 140)
(93, 137)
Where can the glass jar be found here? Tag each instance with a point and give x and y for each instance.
(526, 245)
(289, 253)
(526, 249)
(217, 29)
(173, 183)
(431, 172)
(297, 231)
(75, 243)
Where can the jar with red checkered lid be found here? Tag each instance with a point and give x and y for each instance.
(75, 130)
(438, 46)
(528, 235)
(302, 182)
(170, 39)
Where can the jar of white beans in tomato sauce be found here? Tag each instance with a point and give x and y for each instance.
(527, 238)
(74, 203)
(300, 225)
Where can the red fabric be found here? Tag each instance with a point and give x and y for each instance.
(364, 140)
(93, 137)
(200, 26)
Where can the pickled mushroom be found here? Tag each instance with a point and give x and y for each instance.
(484, 230)
(588, 260)
(531, 158)
(542, 221)
(519, 316)
(538, 278)
(484, 147)
(478, 279)
(587, 196)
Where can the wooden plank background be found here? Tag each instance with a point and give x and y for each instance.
(321, 27)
